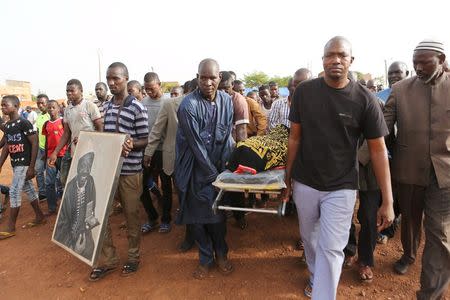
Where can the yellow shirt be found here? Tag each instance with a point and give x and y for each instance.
(41, 119)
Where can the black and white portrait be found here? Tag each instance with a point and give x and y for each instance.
(77, 215)
(88, 194)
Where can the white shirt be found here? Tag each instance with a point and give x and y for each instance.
(32, 117)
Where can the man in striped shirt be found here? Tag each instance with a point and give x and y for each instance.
(279, 114)
(125, 114)
(101, 91)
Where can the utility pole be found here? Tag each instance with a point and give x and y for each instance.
(99, 65)
(385, 73)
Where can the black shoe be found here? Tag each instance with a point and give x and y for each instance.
(185, 246)
(42, 198)
(401, 267)
(242, 223)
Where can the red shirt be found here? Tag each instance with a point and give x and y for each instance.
(53, 130)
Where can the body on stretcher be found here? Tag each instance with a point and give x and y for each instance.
(267, 182)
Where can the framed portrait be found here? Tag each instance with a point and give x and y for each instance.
(88, 194)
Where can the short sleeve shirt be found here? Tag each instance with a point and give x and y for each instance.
(100, 105)
(31, 117)
(53, 131)
(41, 119)
(332, 122)
(19, 147)
(240, 108)
(81, 117)
(131, 119)
(153, 106)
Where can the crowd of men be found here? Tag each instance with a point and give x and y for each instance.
(347, 141)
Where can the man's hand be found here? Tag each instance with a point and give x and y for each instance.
(147, 161)
(30, 173)
(385, 216)
(127, 147)
(52, 159)
(286, 193)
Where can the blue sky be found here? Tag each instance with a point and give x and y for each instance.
(49, 42)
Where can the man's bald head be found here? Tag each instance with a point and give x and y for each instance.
(397, 71)
(208, 63)
(300, 75)
(338, 40)
(337, 59)
(208, 78)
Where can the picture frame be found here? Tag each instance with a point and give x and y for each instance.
(88, 195)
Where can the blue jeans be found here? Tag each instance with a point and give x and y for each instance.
(51, 184)
(65, 166)
(18, 185)
(40, 168)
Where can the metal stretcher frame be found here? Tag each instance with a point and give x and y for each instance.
(216, 205)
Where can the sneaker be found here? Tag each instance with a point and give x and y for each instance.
(299, 245)
(308, 289)
(242, 223)
(148, 227)
(382, 239)
(164, 228)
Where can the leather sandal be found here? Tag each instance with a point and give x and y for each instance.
(365, 273)
(224, 266)
(201, 272)
(129, 268)
(100, 272)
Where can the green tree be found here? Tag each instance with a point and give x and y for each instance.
(255, 79)
(359, 75)
(282, 81)
(167, 86)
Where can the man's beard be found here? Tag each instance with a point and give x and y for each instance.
(433, 76)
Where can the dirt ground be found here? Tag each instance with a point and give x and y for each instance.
(267, 266)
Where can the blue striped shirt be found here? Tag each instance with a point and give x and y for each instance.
(132, 120)
(279, 113)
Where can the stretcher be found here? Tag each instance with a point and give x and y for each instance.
(268, 182)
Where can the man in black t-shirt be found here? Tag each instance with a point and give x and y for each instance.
(328, 116)
(21, 146)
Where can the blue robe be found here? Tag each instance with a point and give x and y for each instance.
(203, 146)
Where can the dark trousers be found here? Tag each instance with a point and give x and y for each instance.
(237, 200)
(369, 202)
(155, 171)
(210, 240)
(435, 275)
(411, 207)
(146, 199)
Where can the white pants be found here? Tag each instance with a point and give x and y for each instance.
(324, 219)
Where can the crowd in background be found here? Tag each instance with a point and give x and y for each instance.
(349, 139)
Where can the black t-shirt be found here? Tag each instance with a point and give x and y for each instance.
(17, 142)
(332, 121)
